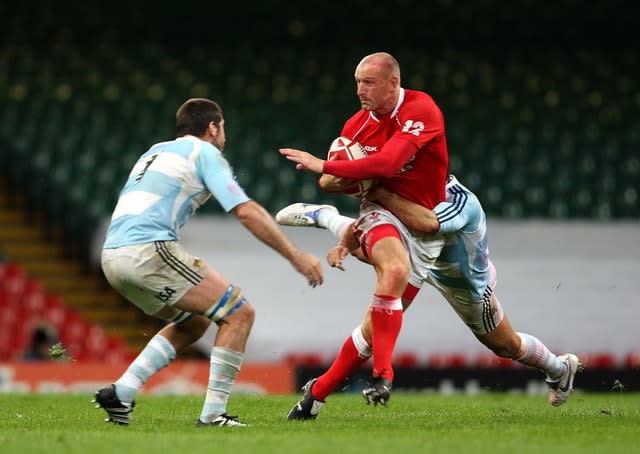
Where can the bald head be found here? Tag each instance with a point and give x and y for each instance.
(386, 63)
(378, 82)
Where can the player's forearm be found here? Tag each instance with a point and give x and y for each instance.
(260, 223)
(330, 183)
(411, 214)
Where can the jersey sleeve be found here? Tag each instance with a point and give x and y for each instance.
(457, 212)
(450, 218)
(383, 164)
(217, 175)
(421, 122)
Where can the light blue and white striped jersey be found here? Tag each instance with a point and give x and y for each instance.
(166, 186)
(464, 260)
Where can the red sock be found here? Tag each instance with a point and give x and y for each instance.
(347, 361)
(386, 325)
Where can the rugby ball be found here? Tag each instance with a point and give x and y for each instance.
(346, 149)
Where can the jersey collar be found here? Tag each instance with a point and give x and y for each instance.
(395, 109)
(400, 101)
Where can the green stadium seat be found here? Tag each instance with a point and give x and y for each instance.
(543, 133)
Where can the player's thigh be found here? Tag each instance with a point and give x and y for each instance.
(389, 252)
(201, 297)
(419, 250)
(218, 300)
(162, 278)
(380, 234)
(481, 315)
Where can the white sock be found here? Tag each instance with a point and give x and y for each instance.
(157, 354)
(224, 368)
(535, 354)
(334, 222)
(363, 347)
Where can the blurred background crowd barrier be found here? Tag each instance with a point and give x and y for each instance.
(542, 109)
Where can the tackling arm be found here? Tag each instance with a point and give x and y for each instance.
(411, 214)
(331, 183)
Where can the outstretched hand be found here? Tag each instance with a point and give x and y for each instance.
(336, 255)
(303, 160)
(310, 267)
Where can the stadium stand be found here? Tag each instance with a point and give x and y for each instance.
(538, 133)
(38, 281)
(26, 305)
(545, 124)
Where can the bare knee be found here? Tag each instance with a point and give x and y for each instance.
(245, 316)
(394, 275)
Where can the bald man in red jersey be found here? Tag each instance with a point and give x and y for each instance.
(407, 145)
(404, 135)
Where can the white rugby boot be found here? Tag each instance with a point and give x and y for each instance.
(302, 214)
(560, 389)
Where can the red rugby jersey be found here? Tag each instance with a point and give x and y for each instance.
(421, 178)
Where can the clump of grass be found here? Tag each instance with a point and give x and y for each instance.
(58, 352)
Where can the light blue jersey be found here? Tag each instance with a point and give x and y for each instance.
(166, 187)
(464, 260)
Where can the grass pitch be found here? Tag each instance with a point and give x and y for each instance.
(412, 423)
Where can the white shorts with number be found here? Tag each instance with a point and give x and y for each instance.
(152, 275)
(423, 248)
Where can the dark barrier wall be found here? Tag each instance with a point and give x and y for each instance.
(473, 380)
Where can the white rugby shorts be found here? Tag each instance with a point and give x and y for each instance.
(152, 275)
(480, 316)
(423, 248)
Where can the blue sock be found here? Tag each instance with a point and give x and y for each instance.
(535, 354)
(225, 365)
(157, 354)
